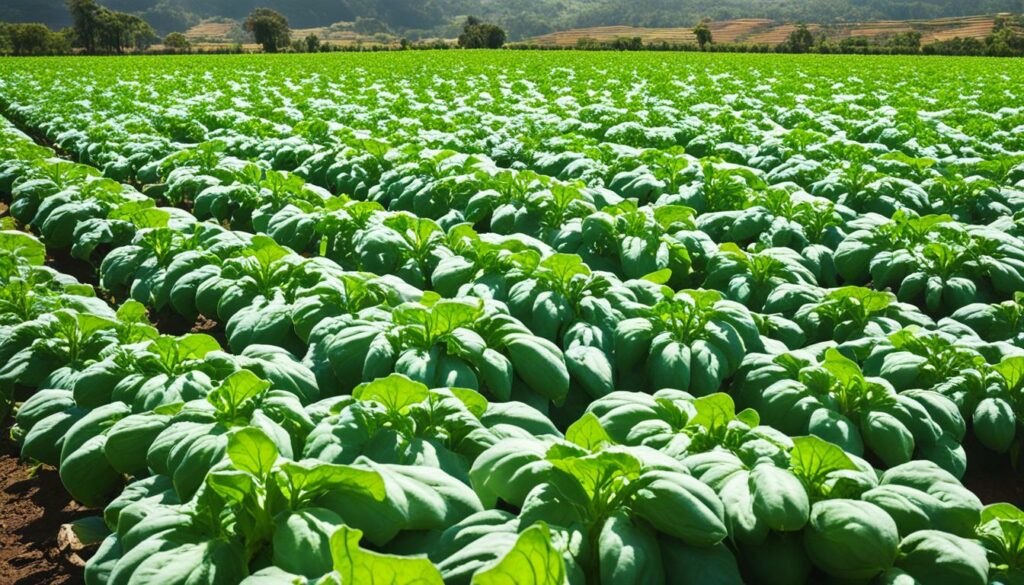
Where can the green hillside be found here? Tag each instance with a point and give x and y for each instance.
(522, 18)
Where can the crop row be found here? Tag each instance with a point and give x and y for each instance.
(945, 268)
(239, 468)
(441, 365)
(536, 470)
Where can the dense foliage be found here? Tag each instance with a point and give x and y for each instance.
(97, 28)
(520, 317)
(522, 18)
(268, 28)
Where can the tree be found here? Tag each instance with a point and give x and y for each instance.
(30, 39)
(628, 44)
(85, 16)
(1005, 42)
(138, 34)
(62, 42)
(270, 29)
(703, 34)
(177, 42)
(800, 39)
(96, 27)
(588, 44)
(905, 42)
(33, 38)
(6, 43)
(480, 35)
(855, 45)
(119, 31)
(312, 43)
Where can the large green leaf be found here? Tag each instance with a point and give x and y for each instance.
(598, 471)
(251, 450)
(24, 245)
(813, 459)
(303, 480)
(588, 433)
(396, 392)
(357, 565)
(844, 369)
(532, 561)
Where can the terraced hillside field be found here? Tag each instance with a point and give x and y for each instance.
(519, 317)
(216, 34)
(210, 31)
(763, 31)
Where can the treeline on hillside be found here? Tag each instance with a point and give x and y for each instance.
(522, 19)
(33, 38)
(1006, 40)
(96, 29)
(529, 18)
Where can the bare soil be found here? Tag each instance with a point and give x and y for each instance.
(32, 509)
(762, 31)
(992, 476)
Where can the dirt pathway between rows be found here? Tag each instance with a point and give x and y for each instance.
(32, 509)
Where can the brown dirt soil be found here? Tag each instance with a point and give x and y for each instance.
(32, 509)
(991, 476)
(208, 30)
(731, 31)
(761, 31)
(65, 264)
(172, 324)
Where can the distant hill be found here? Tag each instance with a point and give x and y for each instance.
(50, 12)
(770, 32)
(522, 18)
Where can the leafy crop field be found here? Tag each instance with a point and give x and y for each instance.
(526, 318)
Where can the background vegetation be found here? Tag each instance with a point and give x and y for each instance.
(417, 19)
(96, 28)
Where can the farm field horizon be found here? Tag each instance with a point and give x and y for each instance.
(479, 317)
